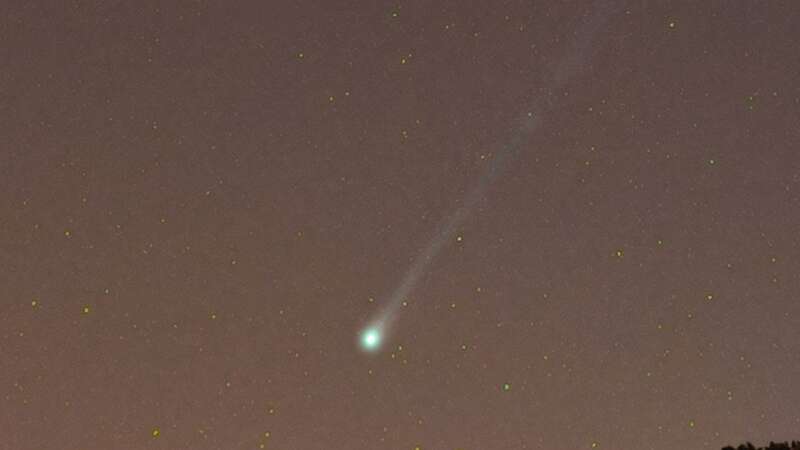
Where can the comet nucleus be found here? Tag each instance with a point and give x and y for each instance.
(371, 339)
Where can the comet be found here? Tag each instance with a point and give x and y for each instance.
(374, 335)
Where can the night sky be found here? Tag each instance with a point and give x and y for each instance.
(575, 223)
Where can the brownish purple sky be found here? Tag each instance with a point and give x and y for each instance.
(204, 203)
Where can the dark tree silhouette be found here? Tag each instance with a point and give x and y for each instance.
(795, 445)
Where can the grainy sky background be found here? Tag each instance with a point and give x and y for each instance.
(204, 203)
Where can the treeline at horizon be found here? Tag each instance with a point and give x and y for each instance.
(795, 445)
